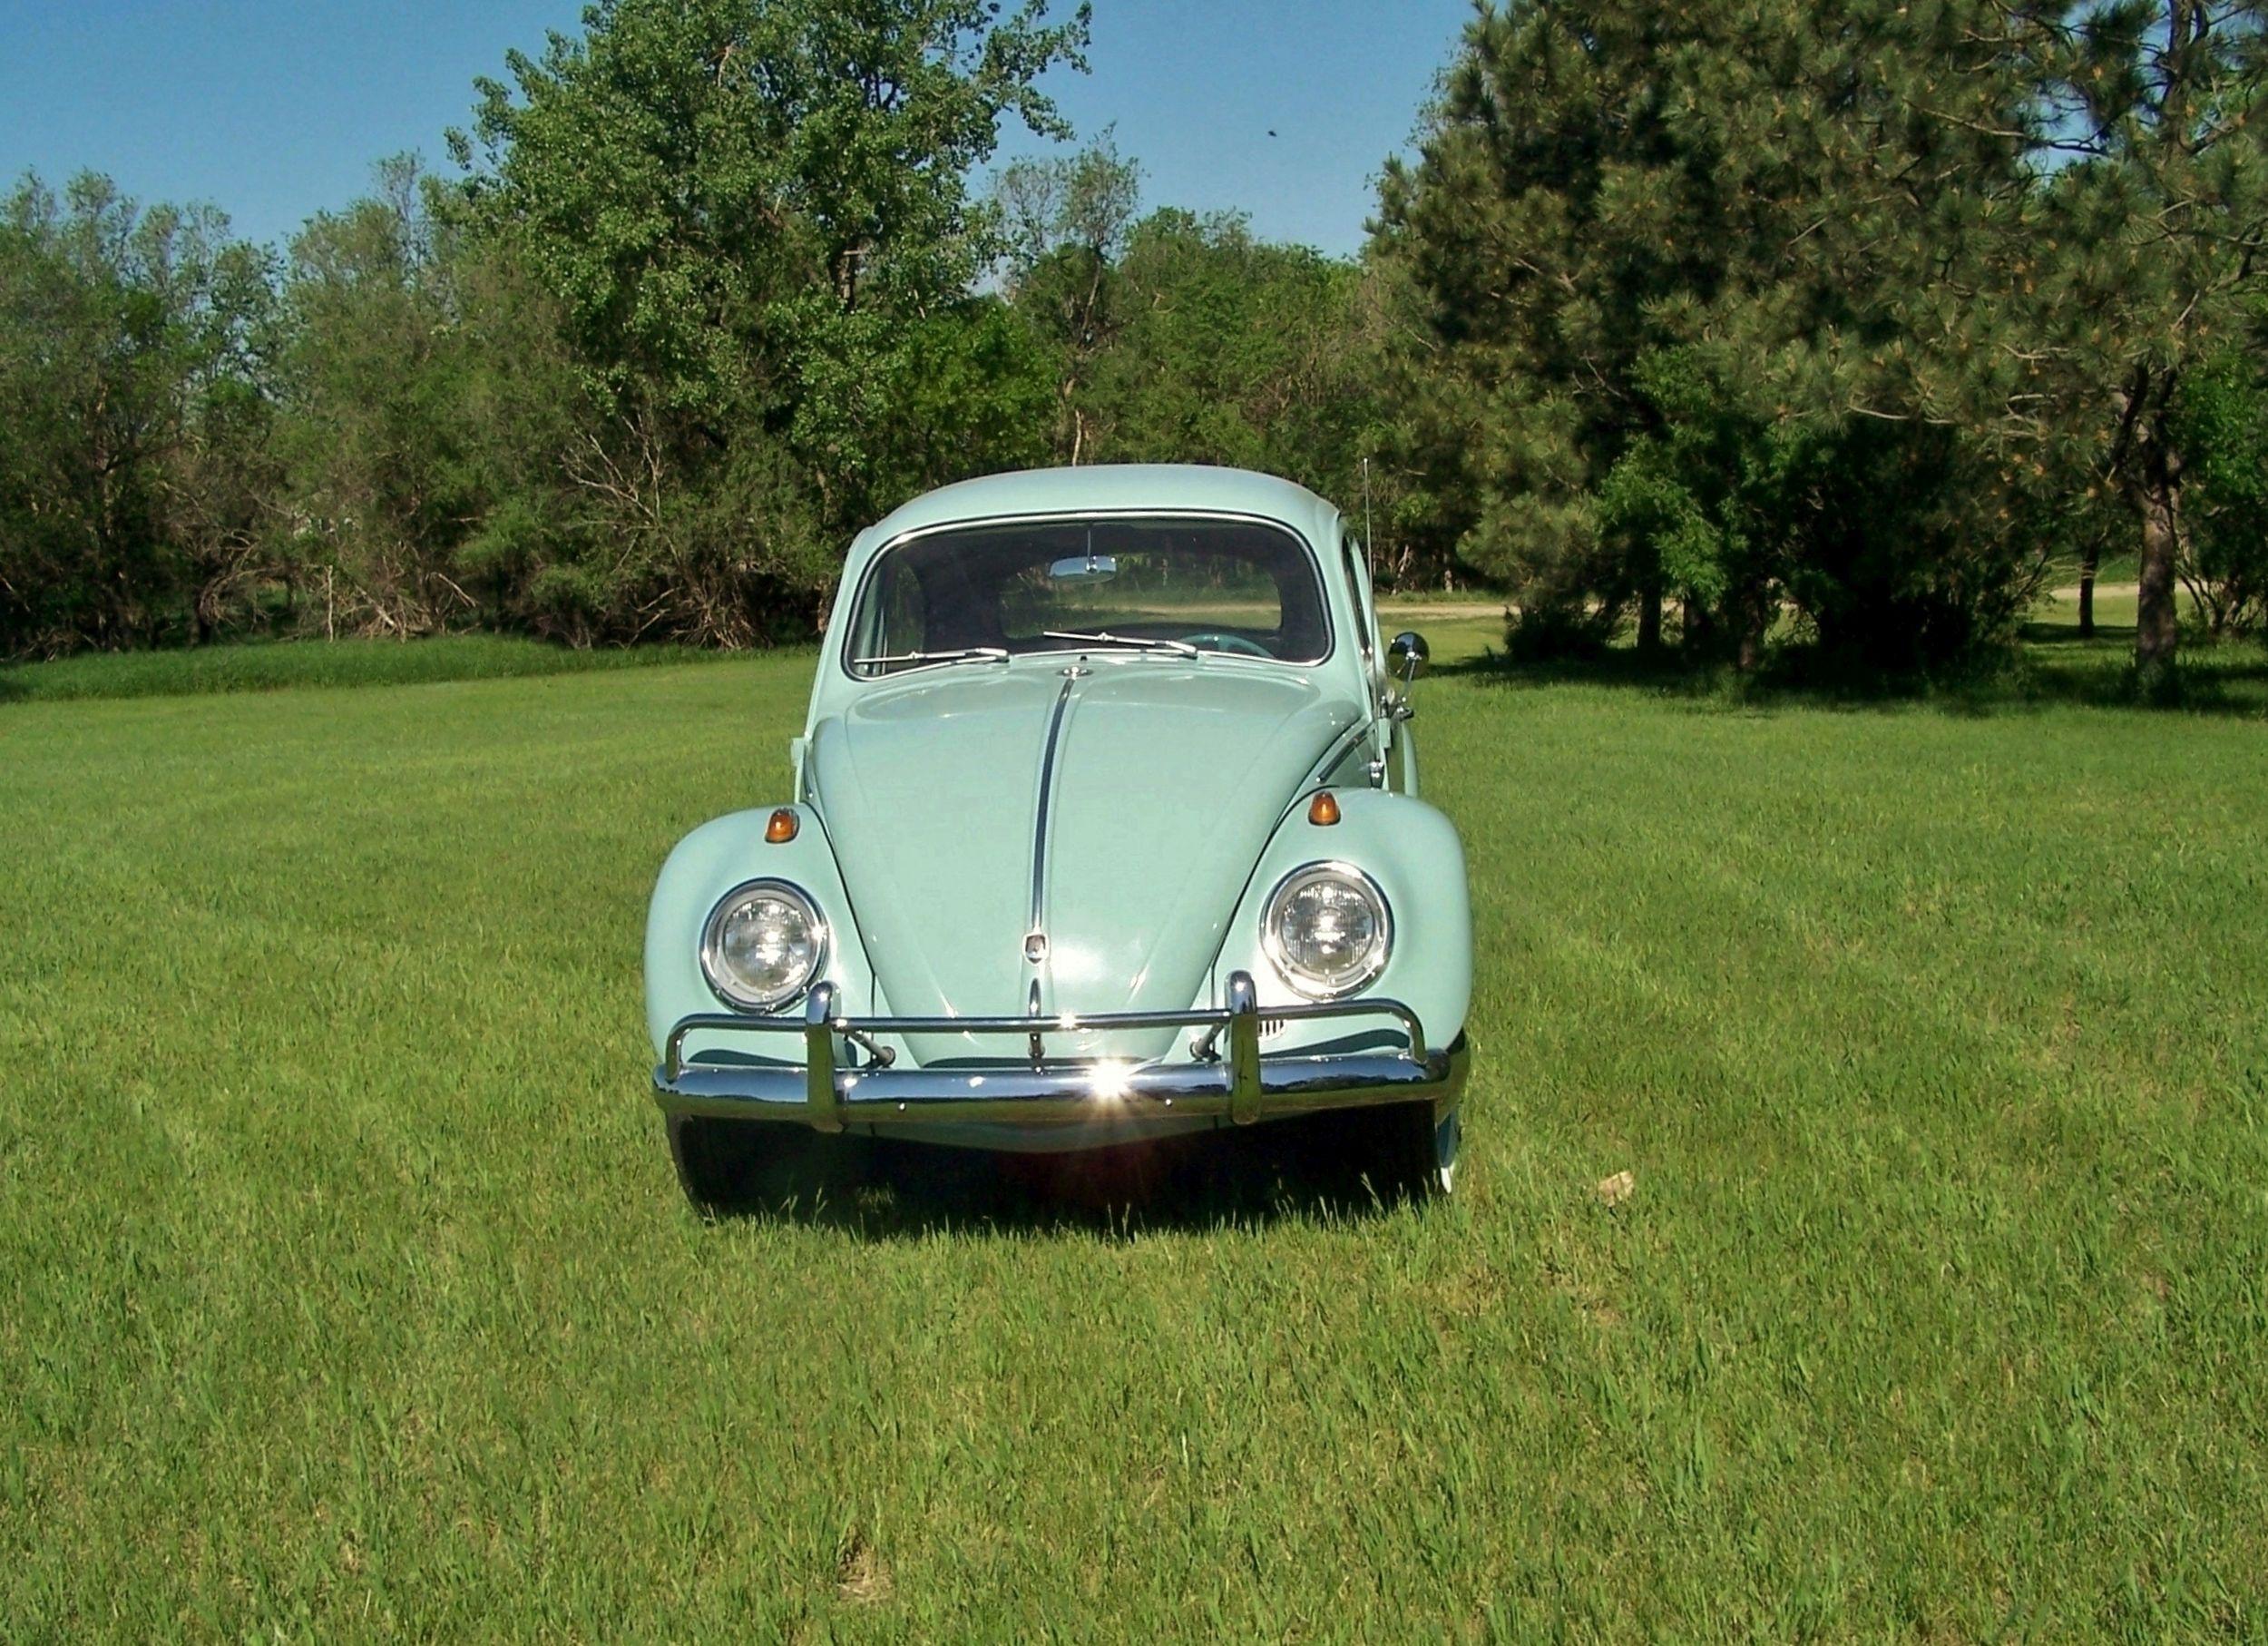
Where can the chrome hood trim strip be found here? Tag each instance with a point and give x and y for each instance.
(1035, 940)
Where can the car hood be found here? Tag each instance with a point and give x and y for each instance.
(1167, 779)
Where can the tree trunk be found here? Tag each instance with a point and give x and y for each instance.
(1650, 618)
(2087, 569)
(2157, 616)
(2151, 470)
(1756, 612)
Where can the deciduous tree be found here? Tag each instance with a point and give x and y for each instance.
(132, 409)
(754, 215)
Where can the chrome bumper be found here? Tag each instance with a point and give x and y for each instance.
(1227, 1078)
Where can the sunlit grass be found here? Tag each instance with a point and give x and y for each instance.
(346, 1291)
(261, 666)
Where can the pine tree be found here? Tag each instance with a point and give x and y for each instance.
(1688, 259)
(2159, 214)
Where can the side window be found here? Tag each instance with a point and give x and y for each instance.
(905, 611)
(1352, 552)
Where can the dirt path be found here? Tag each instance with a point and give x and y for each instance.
(1495, 610)
(1492, 611)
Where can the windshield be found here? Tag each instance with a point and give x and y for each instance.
(1171, 585)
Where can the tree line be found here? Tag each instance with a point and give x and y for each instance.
(1834, 333)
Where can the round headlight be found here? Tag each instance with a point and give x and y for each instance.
(1327, 929)
(762, 946)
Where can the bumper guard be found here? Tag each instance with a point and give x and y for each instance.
(1227, 1076)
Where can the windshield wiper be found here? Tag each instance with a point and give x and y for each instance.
(965, 655)
(1101, 639)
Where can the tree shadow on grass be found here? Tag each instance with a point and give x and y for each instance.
(2067, 636)
(885, 1189)
(2051, 666)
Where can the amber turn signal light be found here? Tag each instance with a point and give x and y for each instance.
(1323, 811)
(782, 827)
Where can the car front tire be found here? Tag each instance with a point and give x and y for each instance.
(739, 1166)
(1416, 1151)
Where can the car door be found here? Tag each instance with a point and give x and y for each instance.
(1391, 748)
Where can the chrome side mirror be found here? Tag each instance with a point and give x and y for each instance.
(1407, 655)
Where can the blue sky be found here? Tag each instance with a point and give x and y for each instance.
(275, 108)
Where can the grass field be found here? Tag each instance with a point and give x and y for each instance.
(345, 1290)
(266, 666)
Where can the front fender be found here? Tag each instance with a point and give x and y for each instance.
(709, 863)
(1412, 852)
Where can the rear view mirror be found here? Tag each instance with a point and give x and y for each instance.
(1084, 568)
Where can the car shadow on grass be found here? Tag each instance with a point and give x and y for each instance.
(2051, 666)
(887, 1190)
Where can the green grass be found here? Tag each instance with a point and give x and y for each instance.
(2112, 612)
(2067, 569)
(346, 1291)
(271, 666)
(1489, 601)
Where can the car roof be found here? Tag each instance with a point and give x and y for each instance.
(1200, 488)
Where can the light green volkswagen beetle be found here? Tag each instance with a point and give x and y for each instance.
(1105, 827)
